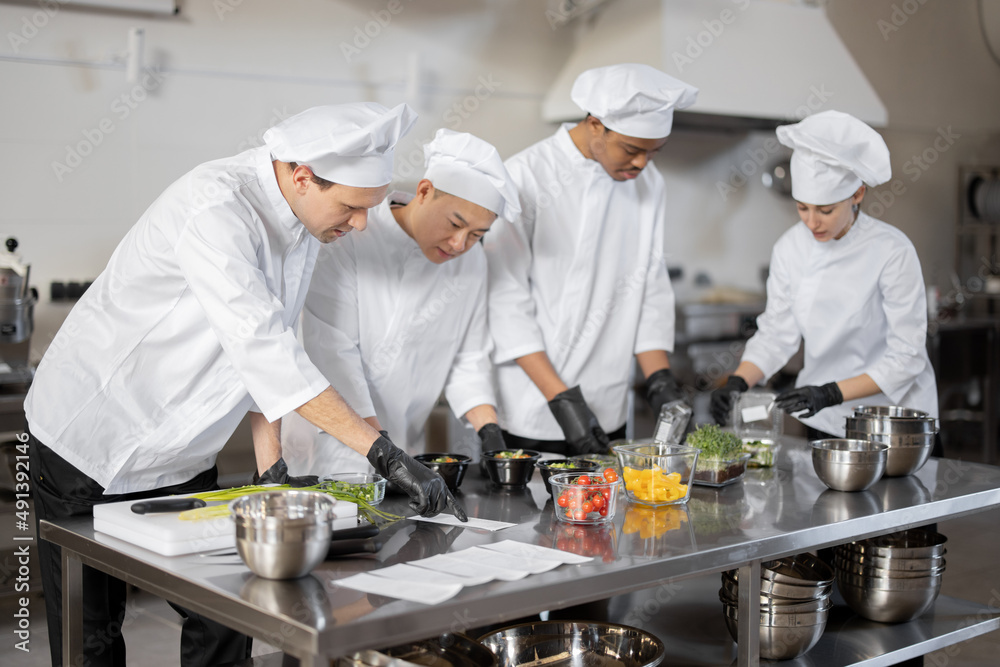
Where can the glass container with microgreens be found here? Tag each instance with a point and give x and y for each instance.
(369, 487)
(722, 460)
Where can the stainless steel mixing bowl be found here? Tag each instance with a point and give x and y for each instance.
(577, 644)
(889, 600)
(782, 636)
(282, 534)
(914, 543)
(848, 464)
(853, 567)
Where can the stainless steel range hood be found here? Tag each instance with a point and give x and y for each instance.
(757, 63)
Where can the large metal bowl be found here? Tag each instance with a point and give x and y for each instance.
(914, 543)
(852, 567)
(893, 563)
(789, 637)
(282, 534)
(780, 591)
(728, 594)
(907, 599)
(906, 454)
(890, 411)
(447, 650)
(798, 569)
(574, 644)
(848, 465)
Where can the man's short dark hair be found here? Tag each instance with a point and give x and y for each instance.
(321, 182)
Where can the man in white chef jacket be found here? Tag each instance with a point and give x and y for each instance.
(846, 285)
(397, 315)
(578, 282)
(191, 325)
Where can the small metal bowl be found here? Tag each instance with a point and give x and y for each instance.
(848, 465)
(784, 636)
(797, 569)
(898, 602)
(447, 650)
(581, 643)
(282, 534)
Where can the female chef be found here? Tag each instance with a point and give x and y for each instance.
(847, 284)
(397, 315)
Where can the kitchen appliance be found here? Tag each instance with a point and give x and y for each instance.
(17, 308)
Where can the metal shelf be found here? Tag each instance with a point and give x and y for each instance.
(687, 617)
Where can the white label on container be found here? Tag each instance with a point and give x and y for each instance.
(755, 414)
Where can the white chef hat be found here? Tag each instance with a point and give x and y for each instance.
(468, 167)
(350, 144)
(634, 100)
(834, 153)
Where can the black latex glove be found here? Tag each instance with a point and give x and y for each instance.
(810, 398)
(662, 388)
(724, 397)
(579, 425)
(278, 474)
(426, 489)
(491, 438)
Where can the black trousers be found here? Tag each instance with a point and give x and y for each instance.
(60, 491)
(552, 446)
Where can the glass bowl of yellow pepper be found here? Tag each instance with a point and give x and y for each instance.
(654, 473)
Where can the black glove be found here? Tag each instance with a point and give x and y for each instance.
(811, 398)
(427, 490)
(491, 437)
(278, 474)
(724, 397)
(662, 388)
(579, 425)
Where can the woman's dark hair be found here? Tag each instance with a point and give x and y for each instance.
(321, 182)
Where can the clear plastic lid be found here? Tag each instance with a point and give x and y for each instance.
(673, 420)
(755, 415)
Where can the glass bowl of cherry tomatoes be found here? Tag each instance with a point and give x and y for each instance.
(585, 498)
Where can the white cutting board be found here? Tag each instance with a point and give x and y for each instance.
(164, 533)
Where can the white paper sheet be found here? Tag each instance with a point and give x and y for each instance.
(536, 551)
(462, 564)
(407, 572)
(511, 562)
(413, 591)
(756, 413)
(473, 522)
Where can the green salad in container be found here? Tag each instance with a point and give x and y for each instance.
(722, 459)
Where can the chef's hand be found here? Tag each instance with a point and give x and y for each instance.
(578, 423)
(724, 397)
(662, 388)
(810, 398)
(491, 438)
(278, 474)
(427, 490)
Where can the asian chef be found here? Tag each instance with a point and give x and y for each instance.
(578, 281)
(846, 284)
(398, 314)
(192, 325)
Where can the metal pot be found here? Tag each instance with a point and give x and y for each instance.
(17, 300)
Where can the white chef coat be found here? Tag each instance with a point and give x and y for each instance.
(390, 330)
(580, 275)
(191, 324)
(859, 303)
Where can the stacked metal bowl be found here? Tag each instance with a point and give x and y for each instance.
(909, 434)
(892, 578)
(794, 604)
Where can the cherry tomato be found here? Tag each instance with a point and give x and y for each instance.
(607, 494)
(574, 502)
(587, 507)
(598, 502)
(604, 511)
(583, 479)
(580, 515)
(610, 475)
(563, 501)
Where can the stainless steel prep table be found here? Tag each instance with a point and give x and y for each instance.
(772, 513)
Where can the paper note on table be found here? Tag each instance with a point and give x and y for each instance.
(511, 562)
(755, 413)
(407, 572)
(464, 564)
(473, 522)
(536, 551)
(413, 591)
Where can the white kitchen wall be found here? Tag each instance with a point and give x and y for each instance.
(85, 152)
